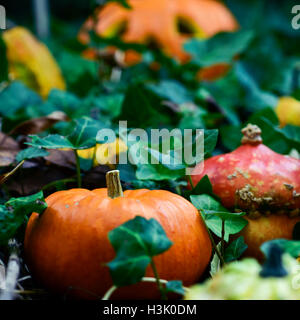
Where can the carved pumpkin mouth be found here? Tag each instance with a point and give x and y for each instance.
(164, 25)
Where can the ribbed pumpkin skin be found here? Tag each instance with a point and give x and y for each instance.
(156, 20)
(68, 245)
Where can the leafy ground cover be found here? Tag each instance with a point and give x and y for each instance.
(49, 142)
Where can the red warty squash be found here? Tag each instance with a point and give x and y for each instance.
(262, 183)
(67, 246)
(166, 24)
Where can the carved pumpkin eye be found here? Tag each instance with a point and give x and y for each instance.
(185, 27)
(118, 30)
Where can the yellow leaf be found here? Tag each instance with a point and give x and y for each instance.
(288, 111)
(31, 62)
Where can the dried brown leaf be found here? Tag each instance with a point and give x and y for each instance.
(37, 125)
(63, 158)
(8, 150)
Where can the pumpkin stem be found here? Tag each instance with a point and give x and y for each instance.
(252, 134)
(114, 188)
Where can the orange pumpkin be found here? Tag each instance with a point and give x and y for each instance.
(67, 246)
(165, 23)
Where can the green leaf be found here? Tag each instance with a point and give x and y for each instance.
(52, 141)
(255, 98)
(109, 105)
(81, 79)
(206, 202)
(231, 136)
(16, 97)
(235, 249)
(84, 133)
(210, 141)
(175, 286)
(172, 163)
(204, 186)
(171, 90)
(281, 140)
(64, 101)
(213, 213)
(3, 61)
(83, 136)
(142, 108)
(30, 153)
(157, 172)
(218, 49)
(135, 243)
(13, 213)
(288, 246)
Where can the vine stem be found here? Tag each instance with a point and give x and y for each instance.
(160, 287)
(109, 293)
(191, 181)
(214, 244)
(79, 183)
(111, 290)
(223, 239)
(53, 183)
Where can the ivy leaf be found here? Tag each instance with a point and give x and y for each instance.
(52, 141)
(235, 249)
(84, 133)
(136, 242)
(203, 186)
(64, 101)
(218, 49)
(25, 205)
(281, 140)
(175, 286)
(210, 141)
(205, 202)
(83, 136)
(256, 99)
(142, 108)
(80, 79)
(172, 91)
(15, 97)
(30, 153)
(172, 164)
(157, 172)
(214, 213)
(289, 246)
(231, 136)
(14, 212)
